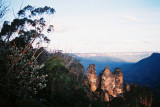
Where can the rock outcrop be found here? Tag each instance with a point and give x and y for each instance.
(107, 82)
(118, 90)
(110, 83)
(137, 96)
(92, 77)
(127, 87)
(108, 87)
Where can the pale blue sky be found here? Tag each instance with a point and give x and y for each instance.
(99, 26)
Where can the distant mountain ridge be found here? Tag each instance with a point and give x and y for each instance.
(112, 59)
(148, 68)
(145, 72)
(101, 61)
(125, 56)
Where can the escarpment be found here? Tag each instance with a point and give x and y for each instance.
(92, 77)
(110, 83)
(118, 74)
(109, 88)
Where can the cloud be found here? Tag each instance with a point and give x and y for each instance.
(148, 41)
(63, 27)
(121, 17)
(130, 18)
(129, 41)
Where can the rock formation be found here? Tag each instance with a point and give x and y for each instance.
(141, 96)
(118, 74)
(109, 88)
(108, 82)
(92, 77)
(127, 87)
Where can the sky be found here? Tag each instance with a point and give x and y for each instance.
(101, 26)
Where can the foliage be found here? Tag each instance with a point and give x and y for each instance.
(29, 25)
(53, 62)
(25, 81)
(3, 9)
(74, 66)
(22, 79)
(19, 68)
(61, 90)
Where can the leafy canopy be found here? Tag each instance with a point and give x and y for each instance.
(29, 25)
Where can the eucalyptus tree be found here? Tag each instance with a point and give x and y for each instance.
(18, 70)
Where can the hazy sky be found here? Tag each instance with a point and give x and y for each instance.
(95, 26)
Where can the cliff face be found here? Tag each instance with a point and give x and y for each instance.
(110, 83)
(139, 96)
(92, 77)
(109, 88)
(118, 74)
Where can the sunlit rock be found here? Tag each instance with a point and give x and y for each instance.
(110, 85)
(92, 77)
(127, 87)
(106, 97)
(118, 74)
(108, 81)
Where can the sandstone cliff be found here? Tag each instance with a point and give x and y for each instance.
(118, 74)
(107, 83)
(109, 88)
(92, 77)
(137, 96)
(110, 83)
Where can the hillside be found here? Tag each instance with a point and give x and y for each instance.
(145, 72)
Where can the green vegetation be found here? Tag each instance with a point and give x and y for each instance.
(60, 89)
(26, 78)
